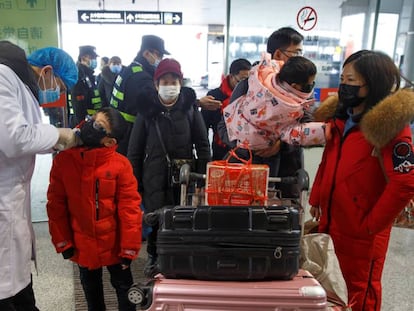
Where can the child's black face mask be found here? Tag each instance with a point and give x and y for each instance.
(307, 88)
(92, 133)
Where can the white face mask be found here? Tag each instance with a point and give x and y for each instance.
(169, 92)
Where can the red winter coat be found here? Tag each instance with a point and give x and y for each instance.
(358, 205)
(94, 206)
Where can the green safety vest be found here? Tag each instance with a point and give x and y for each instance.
(118, 92)
(96, 102)
(70, 103)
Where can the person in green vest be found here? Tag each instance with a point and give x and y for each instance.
(136, 81)
(85, 97)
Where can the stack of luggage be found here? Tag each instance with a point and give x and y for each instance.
(230, 257)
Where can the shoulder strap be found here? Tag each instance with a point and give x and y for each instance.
(162, 141)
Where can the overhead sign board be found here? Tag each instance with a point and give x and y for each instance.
(130, 17)
(29, 24)
(101, 17)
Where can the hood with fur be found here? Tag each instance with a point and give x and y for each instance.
(383, 122)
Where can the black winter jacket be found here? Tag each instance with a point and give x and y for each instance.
(136, 88)
(106, 84)
(179, 134)
(85, 96)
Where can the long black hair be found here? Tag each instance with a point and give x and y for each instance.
(381, 75)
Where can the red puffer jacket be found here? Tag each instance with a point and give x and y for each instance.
(94, 206)
(358, 204)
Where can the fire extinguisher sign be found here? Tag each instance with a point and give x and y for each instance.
(307, 18)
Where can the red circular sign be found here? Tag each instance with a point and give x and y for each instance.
(307, 18)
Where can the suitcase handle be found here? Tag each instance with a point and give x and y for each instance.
(278, 219)
(183, 218)
(226, 265)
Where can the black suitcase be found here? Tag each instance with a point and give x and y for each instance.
(229, 242)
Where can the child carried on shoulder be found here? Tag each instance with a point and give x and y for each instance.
(277, 97)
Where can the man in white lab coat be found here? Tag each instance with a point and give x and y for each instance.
(23, 87)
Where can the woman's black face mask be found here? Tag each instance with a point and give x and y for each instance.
(348, 95)
(92, 133)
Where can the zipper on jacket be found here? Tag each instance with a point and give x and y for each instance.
(342, 138)
(97, 199)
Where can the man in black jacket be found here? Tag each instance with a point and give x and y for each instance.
(85, 96)
(239, 70)
(109, 73)
(283, 159)
(135, 81)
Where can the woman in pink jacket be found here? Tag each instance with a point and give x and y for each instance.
(366, 175)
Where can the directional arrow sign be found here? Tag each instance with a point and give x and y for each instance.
(173, 18)
(130, 17)
(144, 17)
(101, 17)
(84, 17)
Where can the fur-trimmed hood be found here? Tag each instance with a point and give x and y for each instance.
(383, 122)
(150, 105)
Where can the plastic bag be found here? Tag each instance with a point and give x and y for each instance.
(319, 258)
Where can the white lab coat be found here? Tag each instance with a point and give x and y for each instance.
(22, 136)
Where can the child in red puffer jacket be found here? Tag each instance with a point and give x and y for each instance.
(94, 208)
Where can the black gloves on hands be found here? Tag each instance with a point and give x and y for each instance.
(126, 261)
(67, 254)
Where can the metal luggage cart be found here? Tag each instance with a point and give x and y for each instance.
(275, 197)
(139, 294)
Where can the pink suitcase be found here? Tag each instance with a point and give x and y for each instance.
(301, 293)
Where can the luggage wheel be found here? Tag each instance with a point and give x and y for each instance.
(136, 295)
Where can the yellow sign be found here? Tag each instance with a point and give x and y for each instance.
(31, 24)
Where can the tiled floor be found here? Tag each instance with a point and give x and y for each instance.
(54, 284)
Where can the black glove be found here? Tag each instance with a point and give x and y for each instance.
(126, 261)
(67, 254)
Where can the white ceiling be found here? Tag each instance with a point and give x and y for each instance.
(195, 12)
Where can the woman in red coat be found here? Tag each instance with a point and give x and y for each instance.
(366, 175)
(94, 208)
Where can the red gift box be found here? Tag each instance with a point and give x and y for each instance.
(236, 183)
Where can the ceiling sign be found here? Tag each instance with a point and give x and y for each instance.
(307, 18)
(130, 17)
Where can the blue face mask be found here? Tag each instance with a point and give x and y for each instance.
(115, 68)
(156, 62)
(93, 63)
(49, 96)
